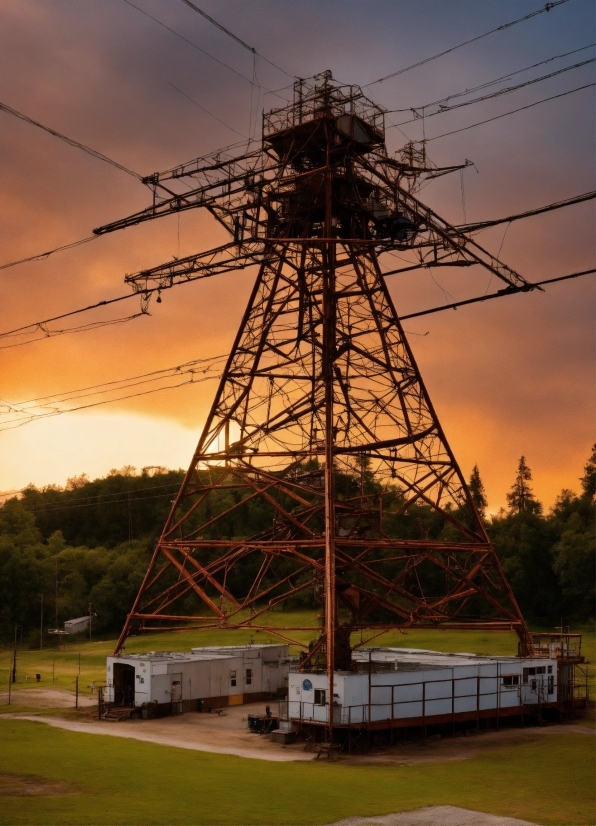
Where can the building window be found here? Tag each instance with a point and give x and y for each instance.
(550, 669)
(232, 678)
(320, 696)
(551, 685)
(510, 680)
(541, 670)
(530, 672)
(249, 676)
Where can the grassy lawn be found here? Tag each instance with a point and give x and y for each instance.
(115, 781)
(64, 665)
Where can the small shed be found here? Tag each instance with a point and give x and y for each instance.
(75, 626)
(203, 677)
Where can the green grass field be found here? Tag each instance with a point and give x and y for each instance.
(115, 781)
(63, 666)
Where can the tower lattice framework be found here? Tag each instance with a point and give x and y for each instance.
(322, 471)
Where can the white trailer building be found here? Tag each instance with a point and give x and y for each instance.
(393, 687)
(214, 677)
(75, 626)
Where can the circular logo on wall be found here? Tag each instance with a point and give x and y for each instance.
(307, 685)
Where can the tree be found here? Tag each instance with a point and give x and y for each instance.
(589, 478)
(478, 492)
(521, 497)
(573, 561)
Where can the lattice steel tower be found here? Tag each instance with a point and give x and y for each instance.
(321, 423)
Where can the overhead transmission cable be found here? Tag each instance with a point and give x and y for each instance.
(103, 495)
(498, 294)
(47, 254)
(241, 42)
(511, 112)
(126, 498)
(444, 108)
(42, 255)
(82, 328)
(146, 293)
(47, 406)
(488, 83)
(480, 225)
(93, 152)
(186, 40)
(14, 423)
(548, 7)
(109, 386)
(211, 115)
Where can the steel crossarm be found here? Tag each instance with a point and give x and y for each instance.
(437, 233)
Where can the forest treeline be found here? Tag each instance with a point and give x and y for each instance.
(91, 541)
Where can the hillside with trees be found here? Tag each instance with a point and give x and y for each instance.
(91, 541)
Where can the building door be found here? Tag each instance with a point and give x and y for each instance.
(176, 692)
(124, 684)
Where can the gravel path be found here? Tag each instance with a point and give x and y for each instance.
(434, 816)
(183, 738)
(228, 734)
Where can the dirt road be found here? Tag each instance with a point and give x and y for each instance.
(228, 734)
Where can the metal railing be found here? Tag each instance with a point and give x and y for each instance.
(424, 706)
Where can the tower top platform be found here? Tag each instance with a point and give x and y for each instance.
(357, 120)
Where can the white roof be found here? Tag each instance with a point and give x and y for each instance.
(423, 658)
(222, 652)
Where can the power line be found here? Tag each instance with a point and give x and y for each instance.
(47, 254)
(37, 408)
(187, 364)
(124, 500)
(512, 112)
(498, 294)
(14, 423)
(211, 115)
(146, 293)
(93, 152)
(241, 42)
(190, 43)
(507, 90)
(82, 328)
(546, 8)
(489, 82)
(38, 324)
(175, 485)
(578, 199)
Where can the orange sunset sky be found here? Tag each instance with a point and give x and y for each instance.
(512, 376)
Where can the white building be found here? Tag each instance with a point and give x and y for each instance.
(217, 676)
(422, 687)
(75, 626)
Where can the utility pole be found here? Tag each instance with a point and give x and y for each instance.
(56, 594)
(41, 624)
(14, 659)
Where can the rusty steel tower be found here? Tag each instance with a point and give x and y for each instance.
(321, 423)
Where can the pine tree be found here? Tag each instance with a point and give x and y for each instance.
(478, 492)
(589, 478)
(521, 497)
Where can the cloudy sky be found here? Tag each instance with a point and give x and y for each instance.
(509, 377)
